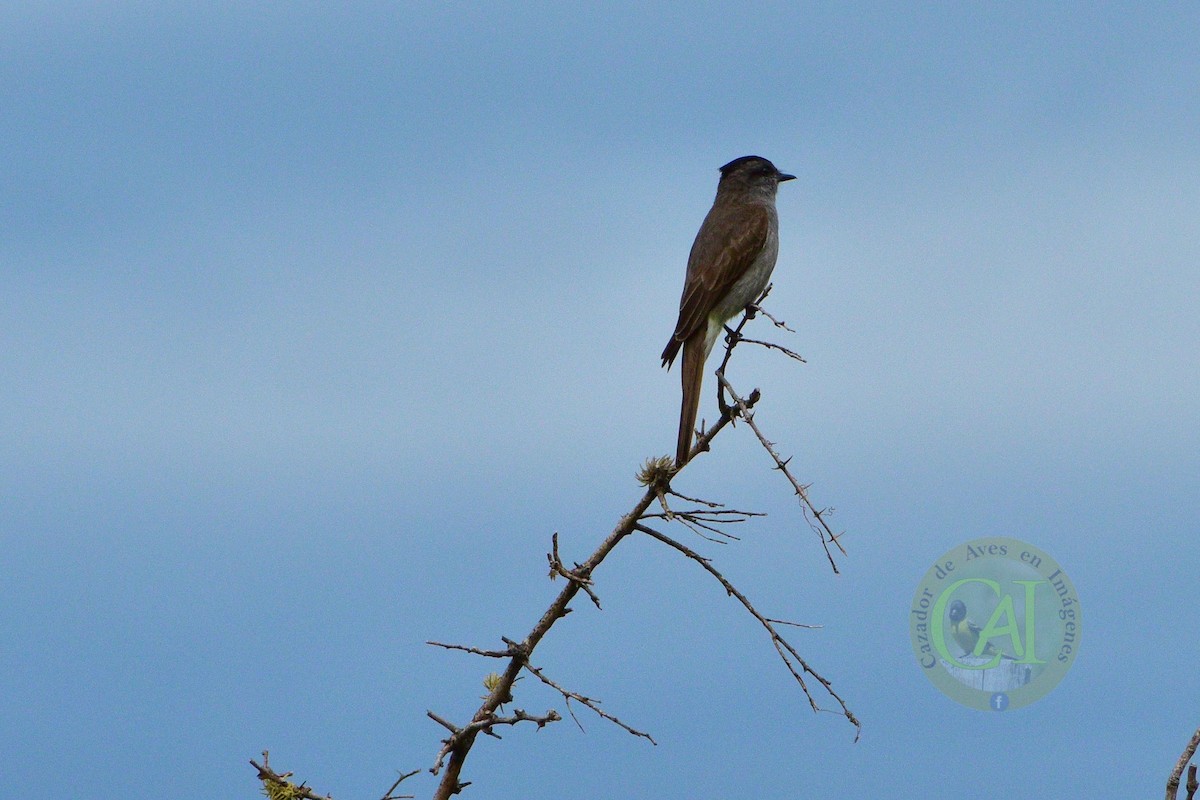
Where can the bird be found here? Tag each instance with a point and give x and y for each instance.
(728, 268)
(966, 633)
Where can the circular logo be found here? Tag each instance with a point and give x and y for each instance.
(995, 624)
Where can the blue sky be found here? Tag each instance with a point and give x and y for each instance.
(319, 319)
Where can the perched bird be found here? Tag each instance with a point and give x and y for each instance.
(728, 268)
(966, 633)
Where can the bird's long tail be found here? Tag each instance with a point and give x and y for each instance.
(692, 376)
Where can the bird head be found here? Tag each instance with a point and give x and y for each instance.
(752, 172)
(958, 611)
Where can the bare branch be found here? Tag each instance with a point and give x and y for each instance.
(698, 526)
(1177, 773)
(388, 794)
(795, 624)
(557, 568)
(815, 516)
(703, 519)
(699, 520)
(591, 703)
(477, 726)
(758, 309)
(792, 659)
(283, 786)
(701, 501)
(450, 726)
(473, 650)
(520, 716)
(772, 346)
(454, 754)
(729, 516)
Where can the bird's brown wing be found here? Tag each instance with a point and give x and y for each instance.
(729, 241)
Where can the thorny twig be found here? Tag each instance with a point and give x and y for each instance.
(473, 650)
(484, 726)
(770, 346)
(388, 794)
(1177, 773)
(812, 513)
(792, 659)
(591, 703)
(699, 520)
(757, 308)
(557, 568)
(270, 776)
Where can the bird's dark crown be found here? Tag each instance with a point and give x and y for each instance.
(753, 169)
(748, 164)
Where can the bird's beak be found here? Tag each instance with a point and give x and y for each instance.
(783, 176)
